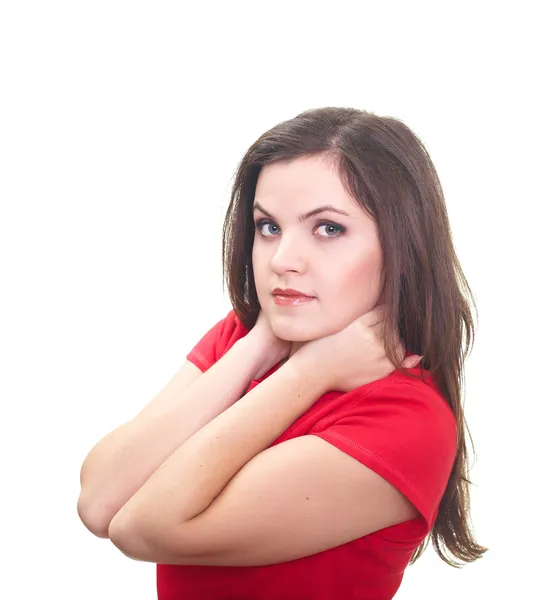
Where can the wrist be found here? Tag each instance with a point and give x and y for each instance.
(252, 353)
(300, 365)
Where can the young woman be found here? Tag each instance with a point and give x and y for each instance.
(314, 440)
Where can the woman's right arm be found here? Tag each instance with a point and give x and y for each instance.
(119, 465)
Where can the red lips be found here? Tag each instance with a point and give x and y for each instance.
(290, 292)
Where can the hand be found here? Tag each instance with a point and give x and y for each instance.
(353, 356)
(266, 346)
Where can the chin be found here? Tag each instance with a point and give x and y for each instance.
(290, 331)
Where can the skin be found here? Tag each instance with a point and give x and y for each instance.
(342, 270)
(186, 514)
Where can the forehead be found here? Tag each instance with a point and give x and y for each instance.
(303, 180)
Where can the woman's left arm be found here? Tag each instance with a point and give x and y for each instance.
(195, 474)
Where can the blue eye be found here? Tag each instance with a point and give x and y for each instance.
(338, 230)
(262, 223)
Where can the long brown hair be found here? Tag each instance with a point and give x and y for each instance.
(389, 172)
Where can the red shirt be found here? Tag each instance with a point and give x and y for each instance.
(400, 428)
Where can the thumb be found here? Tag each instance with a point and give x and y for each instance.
(411, 361)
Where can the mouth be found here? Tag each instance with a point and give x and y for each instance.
(290, 293)
(291, 299)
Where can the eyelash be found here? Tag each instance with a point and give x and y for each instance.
(341, 230)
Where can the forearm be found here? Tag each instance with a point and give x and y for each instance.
(196, 473)
(124, 460)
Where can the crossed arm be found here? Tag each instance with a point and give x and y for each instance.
(224, 497)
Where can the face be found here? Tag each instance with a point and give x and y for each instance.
(334, 256)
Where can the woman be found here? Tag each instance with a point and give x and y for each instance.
(313, 442)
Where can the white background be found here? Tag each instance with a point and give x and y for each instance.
(120, 126)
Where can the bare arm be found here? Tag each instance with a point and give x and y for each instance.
(224, 490)
(118, 466)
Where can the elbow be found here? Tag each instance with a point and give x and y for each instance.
(130, 540)
(94, 520)
(121, 536)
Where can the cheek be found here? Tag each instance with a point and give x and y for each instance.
(261, 276)
(256, 260)
(259, 255)
(357, 283)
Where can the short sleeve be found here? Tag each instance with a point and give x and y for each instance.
(406, 433)
(216, 342)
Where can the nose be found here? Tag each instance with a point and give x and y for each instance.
(289, 256)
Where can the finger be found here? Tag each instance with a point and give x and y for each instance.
(411, 361)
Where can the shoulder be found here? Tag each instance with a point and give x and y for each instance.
(414, 399)
(232, 329)
(217, 340)
(401, 428)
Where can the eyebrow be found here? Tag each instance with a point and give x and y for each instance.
(311, 213)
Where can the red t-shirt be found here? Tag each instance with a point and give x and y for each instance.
(400, 428)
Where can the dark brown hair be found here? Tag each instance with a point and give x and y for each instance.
(389, 172)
